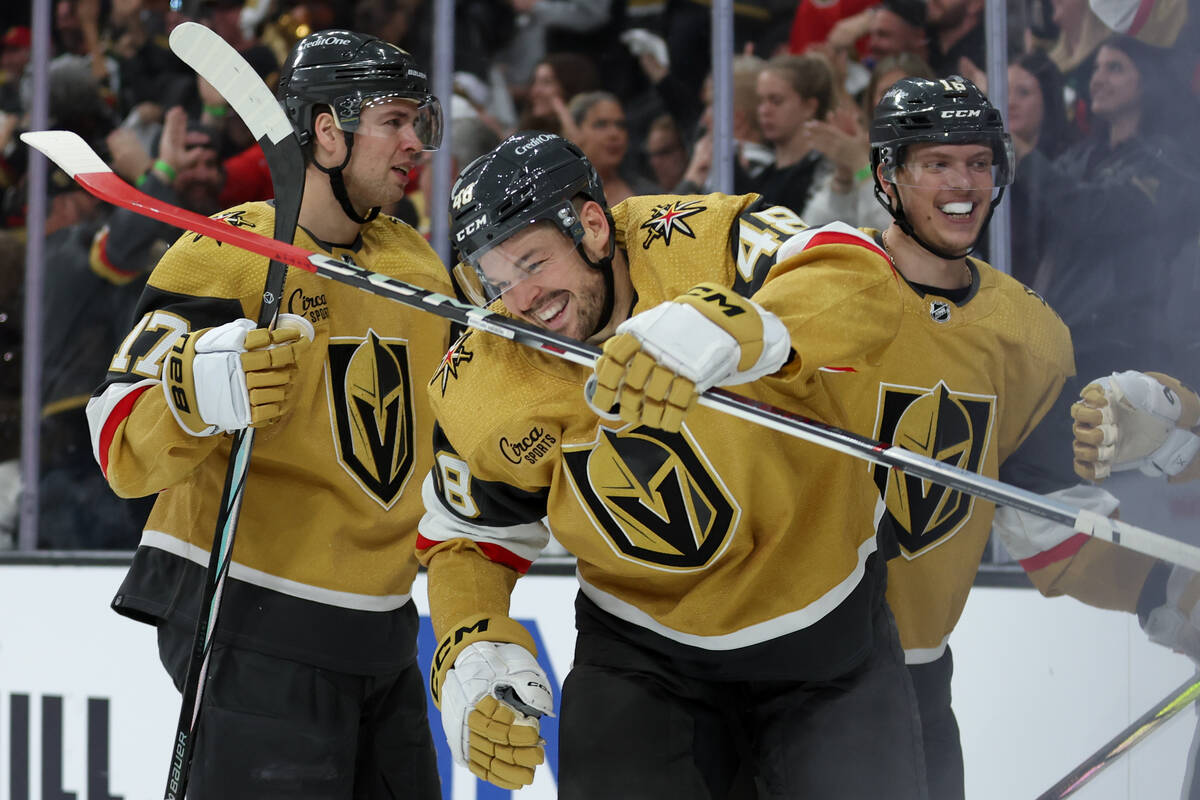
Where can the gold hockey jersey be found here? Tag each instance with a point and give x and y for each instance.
(726, 535)
(333, 495)
(966, 383)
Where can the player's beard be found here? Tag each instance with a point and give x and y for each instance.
(590, 304)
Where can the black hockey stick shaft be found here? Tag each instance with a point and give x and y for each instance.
(1180, 698)
(77, 159)
(224, 68)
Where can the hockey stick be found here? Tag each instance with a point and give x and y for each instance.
(218, 63)
(1182, 697)
(78, 160)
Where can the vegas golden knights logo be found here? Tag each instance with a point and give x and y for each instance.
(370, 396)
(654, 496)
(946, 426)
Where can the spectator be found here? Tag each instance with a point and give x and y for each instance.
(600, 133)
(753, 155)
(898, 26)
(557, 79)
(1129, 174)
(12, 272)
(1080, 32)
(14, 58)
(848, 191)
(956, 31)
(87, 312)
(666, 155)
(791, 91)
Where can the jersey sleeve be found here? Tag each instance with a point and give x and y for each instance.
(139, 446)
(838, 295)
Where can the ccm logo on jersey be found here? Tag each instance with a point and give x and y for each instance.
(961, 112)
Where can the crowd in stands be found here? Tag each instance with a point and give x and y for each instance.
(1103, 102)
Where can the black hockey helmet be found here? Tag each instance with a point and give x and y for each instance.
(346, 72)
(949, 111)
(530, 177)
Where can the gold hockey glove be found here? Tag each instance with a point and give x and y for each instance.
(233, 376)
(662, 359)
(1135, 420)
(491, 698)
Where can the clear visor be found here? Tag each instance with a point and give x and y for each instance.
(492, 271)
(392, 116)
(965, 167)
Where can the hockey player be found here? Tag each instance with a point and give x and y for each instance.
(314, 689)
(726, 583)
(977, 364)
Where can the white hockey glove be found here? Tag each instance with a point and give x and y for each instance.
(1176, 623)
(1135, 420)
(662, 359)
(491, 701)
(233, 376)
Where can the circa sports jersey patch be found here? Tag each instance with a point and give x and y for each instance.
(668, 218)
(951, 427)
(527, 449)
(313, 307)
(371, 408)
(654, 496)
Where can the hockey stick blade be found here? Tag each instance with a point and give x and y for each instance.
(76, 158)
(1182, 697)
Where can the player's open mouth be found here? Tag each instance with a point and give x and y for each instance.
(960, 210)
(550, 311)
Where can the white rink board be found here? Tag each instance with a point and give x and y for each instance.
(1039, 684)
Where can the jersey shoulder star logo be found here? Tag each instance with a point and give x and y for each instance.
(667, 218)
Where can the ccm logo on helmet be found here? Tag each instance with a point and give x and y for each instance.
(471, 227)
(961, 112)
(532, 143)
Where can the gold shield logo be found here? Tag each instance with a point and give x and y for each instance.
(371, 406)
(947, 426)
(653, 495)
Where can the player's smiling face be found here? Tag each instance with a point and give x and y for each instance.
(545, 281)
(946, 190)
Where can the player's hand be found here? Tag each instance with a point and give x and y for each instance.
(1176, 623)
(233, 376)
(662, 359)
(491, 701)
(1135, 420)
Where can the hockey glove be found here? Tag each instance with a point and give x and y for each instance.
(233, 376)
(1135, 420)
(1176, 623)
(491, 701)
(662, 359)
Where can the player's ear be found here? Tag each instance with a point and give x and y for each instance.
(595, 229)
(328, 139)
(889, 188)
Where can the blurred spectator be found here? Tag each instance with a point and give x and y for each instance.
(791, 91)
(956, 32)
(815, 20)
(898, 26)
(1080, 32)
(752, 154)
(848, 191)
(556, 79)
(666, 155)
(85, 317)
(14, 58)
(1122, 199)
(599, 122)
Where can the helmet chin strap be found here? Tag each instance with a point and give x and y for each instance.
(338, 184)
(605, 266)
(902, 220)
